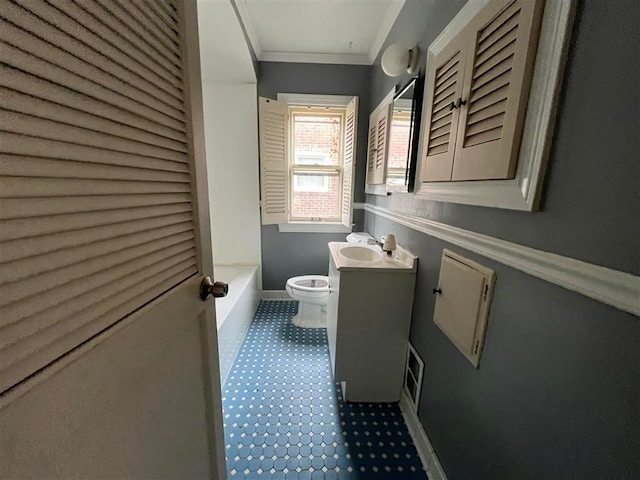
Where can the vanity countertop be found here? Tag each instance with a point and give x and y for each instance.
(401, 261)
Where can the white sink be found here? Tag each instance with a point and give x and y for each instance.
(360, 253)
(349, 256)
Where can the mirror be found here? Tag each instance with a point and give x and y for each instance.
(404, 132)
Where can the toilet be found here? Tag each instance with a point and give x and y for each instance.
(312, 292)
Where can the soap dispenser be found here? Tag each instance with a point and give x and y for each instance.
(389, 243)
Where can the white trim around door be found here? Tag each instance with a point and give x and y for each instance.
(618, 289)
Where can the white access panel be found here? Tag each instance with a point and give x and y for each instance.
(462, 306)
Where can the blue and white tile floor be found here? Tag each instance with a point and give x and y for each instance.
(284, 417)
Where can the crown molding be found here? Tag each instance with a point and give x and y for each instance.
(297, 57)
(618, 289)
(313, 100)
(385, 27)
(245, 20)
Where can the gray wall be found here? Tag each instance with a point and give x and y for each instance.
(286, 255)
(557, 391)
(556, 394)
(591, 198)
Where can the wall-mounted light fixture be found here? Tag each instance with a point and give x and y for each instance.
(398, 59)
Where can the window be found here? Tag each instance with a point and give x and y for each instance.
(306, 165)
(308, 182)
(316, 165)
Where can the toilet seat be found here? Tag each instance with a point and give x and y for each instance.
(313, 289)
(309, 283)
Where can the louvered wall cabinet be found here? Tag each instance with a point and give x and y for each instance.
(378, 145)
(476, 94)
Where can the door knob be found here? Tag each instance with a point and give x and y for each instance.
(217, 289)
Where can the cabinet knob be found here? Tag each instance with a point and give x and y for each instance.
(460, 102)
(437, 291)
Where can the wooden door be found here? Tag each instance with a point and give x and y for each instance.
(108, 357)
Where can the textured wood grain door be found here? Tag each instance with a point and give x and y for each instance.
(108, 357)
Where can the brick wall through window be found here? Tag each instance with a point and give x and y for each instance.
(316, 141)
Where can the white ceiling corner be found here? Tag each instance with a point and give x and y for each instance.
(224, 53)
(318, 31)
(385, 27)
(245, 18)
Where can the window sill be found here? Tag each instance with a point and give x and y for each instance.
(313, 227)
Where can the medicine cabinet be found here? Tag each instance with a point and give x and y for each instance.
(404, 134)
(377, 146)
(394, 132)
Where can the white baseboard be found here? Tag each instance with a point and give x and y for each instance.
(421, 440)
(275, 295)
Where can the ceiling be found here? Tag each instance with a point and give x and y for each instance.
(224, 54)
(318, 31)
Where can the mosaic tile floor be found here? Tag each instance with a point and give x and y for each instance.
(285, 419)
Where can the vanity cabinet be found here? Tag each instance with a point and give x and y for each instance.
(477, 91)
(368, 320)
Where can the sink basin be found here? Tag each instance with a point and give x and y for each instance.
(361, 253)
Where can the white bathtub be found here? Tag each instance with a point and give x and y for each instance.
(235, 311)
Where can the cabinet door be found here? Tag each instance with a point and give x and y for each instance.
(444, 88)
(378, 134)
(500, 62)
(332, 312)
(462, 304)
(371, 148)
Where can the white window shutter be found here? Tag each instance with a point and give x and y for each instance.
(503, 41)
(348, 173)
(274, 174)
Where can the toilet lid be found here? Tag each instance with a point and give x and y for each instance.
(310, 283)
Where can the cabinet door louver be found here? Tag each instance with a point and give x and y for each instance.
(348, 173)
(274, 174)
(381, 148)
(378, 135)
(496, 89)
(96, 203)
(371, 149)
(444, 87)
